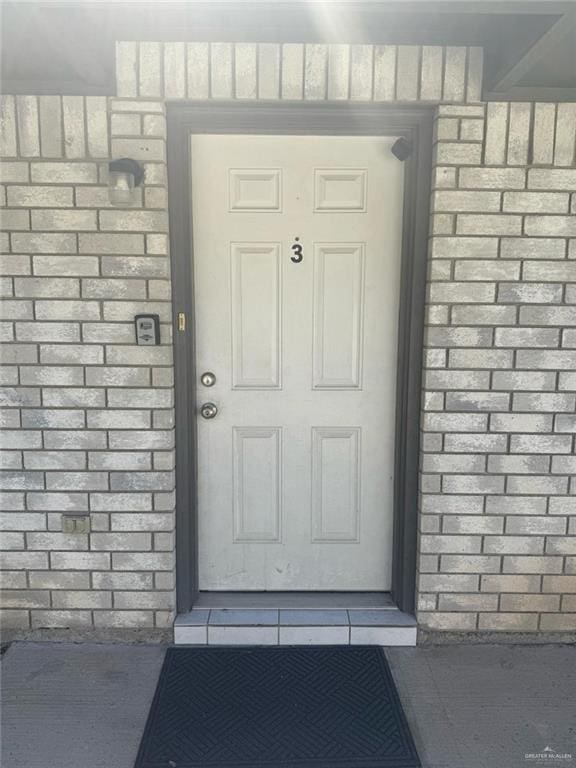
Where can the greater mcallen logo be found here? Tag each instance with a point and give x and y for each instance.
(548, 754)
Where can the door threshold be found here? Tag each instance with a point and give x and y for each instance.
(294, 600)
(291, 618)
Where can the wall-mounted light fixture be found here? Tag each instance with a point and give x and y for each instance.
(124, 175)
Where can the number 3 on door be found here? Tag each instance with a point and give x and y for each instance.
(297, 251)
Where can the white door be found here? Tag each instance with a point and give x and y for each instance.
(297, 272)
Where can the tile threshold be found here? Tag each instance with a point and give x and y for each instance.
(302, 626)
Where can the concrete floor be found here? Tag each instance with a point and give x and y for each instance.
(84, 706)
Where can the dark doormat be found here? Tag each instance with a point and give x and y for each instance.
(279, 707)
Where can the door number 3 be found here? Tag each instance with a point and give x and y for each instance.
(297, 251)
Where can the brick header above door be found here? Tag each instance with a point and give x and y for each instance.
(295, 71)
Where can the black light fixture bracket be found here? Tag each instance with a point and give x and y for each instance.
(127, 165)
(401, 149)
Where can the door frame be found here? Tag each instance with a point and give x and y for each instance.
(415, 124)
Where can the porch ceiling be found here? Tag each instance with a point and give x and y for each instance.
(68, 47)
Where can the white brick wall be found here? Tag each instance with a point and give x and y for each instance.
(498, 474)
(88, 415)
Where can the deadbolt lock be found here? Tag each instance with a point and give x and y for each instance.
(208, 379)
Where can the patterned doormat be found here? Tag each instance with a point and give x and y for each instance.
(278, 707)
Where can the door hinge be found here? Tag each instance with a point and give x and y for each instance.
(181, 321)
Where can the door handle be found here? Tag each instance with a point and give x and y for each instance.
(208, 410)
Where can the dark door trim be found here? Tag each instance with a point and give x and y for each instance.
(415, 125)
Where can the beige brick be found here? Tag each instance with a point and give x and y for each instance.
(245, 70)
(462, 293)
(525, 603)
(407, 72)
(472, 130)
(32, 561)
(450, 544)
(385, 72)
(560, 584)
(13, 171)
(464, 247)
(543, 135)
(452, 153)
(499, 583)
(549, 179)
(478, 524)
(492, 178)
(122, 580)
(483, 484)
(81, 561)
(556, 226)
(484, 314)
(13, 580)
(521, 380)
(540, 565)
(463, 443)
(221, 65)
(148, 561)
(519, 133)
(482, 202)
(480, 358)
(63, 619)
(126, 68)
(454, 582)
(532, 247)
(431, 73)
(557, 622)
(56, 541)
(14, 219)
(525, 464)
(445, 621)
(123, 502)
(561, 545)
(480, 224)
(496, 131)
(562, 505)
(268, 71)
(565, 139)
(511, 622)
(487, 270)
(132, 542)
(536, 484)
(467, 602)
(197, 63)
(536, 525)
(520, 422)
(82, 599)
(526, 337)
(470, 564)
(547, 359)
(454, 73)
(535, 202)
(45, 287)
(144, 600)
(121, 619)
(59, 580)
(175, 70)
(529, 293)
(512, 545)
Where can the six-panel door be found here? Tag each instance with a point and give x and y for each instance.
(296, 243)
